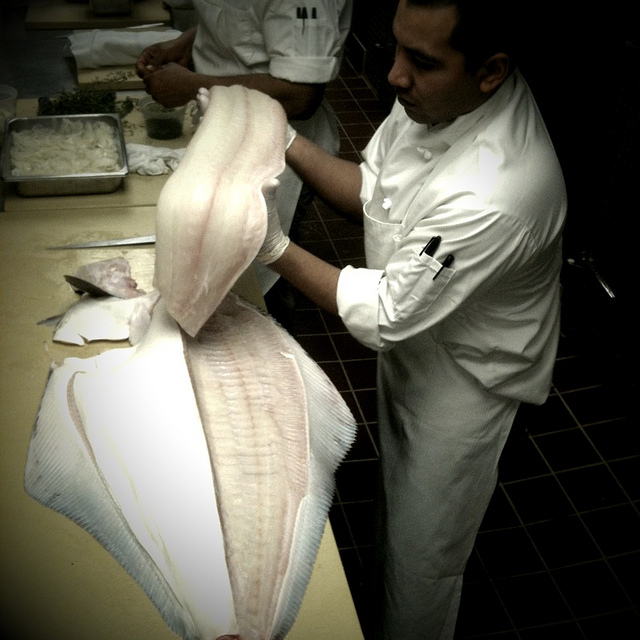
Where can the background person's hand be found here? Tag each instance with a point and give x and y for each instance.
(172, 85)
(162, 53)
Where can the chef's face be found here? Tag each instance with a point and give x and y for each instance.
(429, 76)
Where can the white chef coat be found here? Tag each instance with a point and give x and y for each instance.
(237, 37)
(459, 346)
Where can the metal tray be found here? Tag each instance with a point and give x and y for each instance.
(65, 184)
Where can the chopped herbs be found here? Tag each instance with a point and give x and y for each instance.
(84, 101)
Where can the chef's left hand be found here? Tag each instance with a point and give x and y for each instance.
(275, 241)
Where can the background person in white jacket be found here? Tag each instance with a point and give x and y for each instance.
(288, 50)
(463, 203)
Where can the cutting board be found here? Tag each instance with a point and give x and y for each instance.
(60, 14)
(110, 78)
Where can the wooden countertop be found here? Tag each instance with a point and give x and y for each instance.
(61, 14)
(57, 581)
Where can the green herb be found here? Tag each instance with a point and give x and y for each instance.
(84, 101)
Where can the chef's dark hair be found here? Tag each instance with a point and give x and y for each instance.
(484, 28)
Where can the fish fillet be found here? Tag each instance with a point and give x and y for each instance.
(211, 216)
(204, 465)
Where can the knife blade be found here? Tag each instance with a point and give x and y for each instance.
(118, 242)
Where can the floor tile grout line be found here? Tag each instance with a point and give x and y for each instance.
(542, 560)
(579, 514)
(603, 460)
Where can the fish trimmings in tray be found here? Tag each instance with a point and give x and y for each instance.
(65, 155)
(72, 147)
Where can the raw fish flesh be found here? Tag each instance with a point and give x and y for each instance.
(212, 216)
(113, 276)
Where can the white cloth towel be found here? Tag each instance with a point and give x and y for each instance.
(98, 48)
(152, 161)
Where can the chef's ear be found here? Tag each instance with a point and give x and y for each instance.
(494, 72)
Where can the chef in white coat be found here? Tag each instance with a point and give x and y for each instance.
(463, 203)
(289, 50)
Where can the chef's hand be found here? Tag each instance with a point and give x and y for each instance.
(172, 85)
(162, 53)
(275, 241)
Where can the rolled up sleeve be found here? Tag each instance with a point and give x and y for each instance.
(308, 70)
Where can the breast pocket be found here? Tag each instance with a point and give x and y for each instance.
(313, 33)
(417, 283)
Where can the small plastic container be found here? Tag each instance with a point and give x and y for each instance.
(162, 123)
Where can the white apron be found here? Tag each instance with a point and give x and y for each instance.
(441, 436)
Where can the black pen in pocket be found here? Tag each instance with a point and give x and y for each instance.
(431, 247)
(447, 263)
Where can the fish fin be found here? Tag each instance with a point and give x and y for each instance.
(332, 430)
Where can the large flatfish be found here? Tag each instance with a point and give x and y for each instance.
(204, 465)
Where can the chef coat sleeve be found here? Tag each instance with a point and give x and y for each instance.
(378, 147)
(307, 49)
(357, 299)
(383, 307)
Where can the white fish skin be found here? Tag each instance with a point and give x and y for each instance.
(118, 447)
(211, 216)
(61, 473)
(110, 318)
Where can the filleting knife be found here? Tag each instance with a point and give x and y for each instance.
(118, 242)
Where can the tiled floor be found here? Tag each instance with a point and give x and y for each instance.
(558, 555)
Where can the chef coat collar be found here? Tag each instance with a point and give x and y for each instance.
(450, 132)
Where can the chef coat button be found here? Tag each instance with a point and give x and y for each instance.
(397, 237)
(426, 154)
(386, 204)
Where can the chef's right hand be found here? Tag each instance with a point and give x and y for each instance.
(162, 53)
